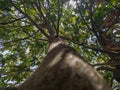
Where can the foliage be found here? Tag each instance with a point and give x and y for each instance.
(82, 23)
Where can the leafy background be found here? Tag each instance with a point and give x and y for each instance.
(23, 47)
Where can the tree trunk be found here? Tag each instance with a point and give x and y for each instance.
(64, 69)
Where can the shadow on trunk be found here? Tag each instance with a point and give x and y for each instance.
(64, 69)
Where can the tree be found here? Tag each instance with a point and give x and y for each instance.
(34, 29)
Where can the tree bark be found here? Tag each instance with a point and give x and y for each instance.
(64, 69)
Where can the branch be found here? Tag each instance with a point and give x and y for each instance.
(48, 4)
(92, 48)
(24, 6)
(83, 18)
(114, 63)
(30, 19)
(59, 17)
(49, 27)
(91, 15)
(115, 6)
(33, 36)
(12, 21)
(105, 68)
(101, 64)
(15, 40)
(91, 30)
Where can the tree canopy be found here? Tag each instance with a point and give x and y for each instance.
(92, 27)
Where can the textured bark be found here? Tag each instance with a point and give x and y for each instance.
(64, 69)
